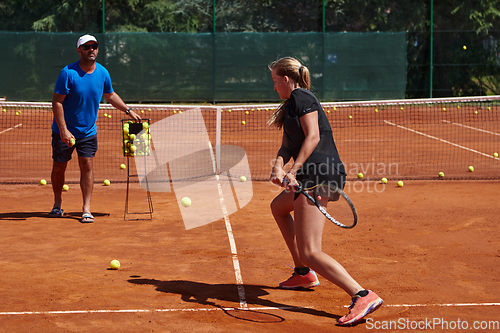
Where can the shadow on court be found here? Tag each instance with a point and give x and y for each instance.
(21, 216)
(204, 294)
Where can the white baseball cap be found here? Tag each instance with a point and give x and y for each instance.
(85, 39)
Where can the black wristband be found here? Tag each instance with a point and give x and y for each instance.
(128, 111)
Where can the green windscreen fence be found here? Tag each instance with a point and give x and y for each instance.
(225, 67)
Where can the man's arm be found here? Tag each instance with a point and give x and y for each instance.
(57, 109)
(115, 100)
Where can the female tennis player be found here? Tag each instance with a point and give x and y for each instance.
(308, 139)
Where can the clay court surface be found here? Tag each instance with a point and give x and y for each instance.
(430, 249)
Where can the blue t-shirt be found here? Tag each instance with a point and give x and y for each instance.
(83, 94)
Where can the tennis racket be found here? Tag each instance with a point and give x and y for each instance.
(342, 207)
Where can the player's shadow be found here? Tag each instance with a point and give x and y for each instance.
(205, 293)
(22, 216)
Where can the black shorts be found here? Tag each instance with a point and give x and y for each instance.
(326, 175)
(85, 147)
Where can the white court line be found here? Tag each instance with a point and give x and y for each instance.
(267, 308)
(8, 129)
(441, 140)
(232, 243)
(472, 128)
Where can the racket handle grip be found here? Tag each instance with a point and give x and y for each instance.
(296, 187)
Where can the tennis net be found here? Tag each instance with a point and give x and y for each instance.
(397, 139)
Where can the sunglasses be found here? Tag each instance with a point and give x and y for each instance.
(86, 47)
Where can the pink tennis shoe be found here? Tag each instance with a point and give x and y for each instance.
(360, 307)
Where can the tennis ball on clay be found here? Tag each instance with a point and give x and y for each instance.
(401, 184)
(186, 202)
(142, 111)
(384, 180)
(107, 182)
(243, 178)
(243, 122)
(471, 168)
(106, 115)
(123, 166)
(444, 109)
(43, 182)
(350, 117)
(475, 112)
(360, 175)
(246, 112)
(376, 110)
(17, 113)
(114, 264)
(65, 187)
(441, 174)
(495, 155)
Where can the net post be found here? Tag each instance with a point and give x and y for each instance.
(218, 138)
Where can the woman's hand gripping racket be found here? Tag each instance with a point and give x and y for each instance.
(343, 209)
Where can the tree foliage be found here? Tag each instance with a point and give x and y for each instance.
(474, 23)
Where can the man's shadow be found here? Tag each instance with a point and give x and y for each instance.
(22, 216)
(205, 294)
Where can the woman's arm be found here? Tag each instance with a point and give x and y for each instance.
(309, 124)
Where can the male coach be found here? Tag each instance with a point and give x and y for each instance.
(75, 104)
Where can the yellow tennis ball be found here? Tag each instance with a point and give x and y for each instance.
(109, 116)
(243, 122)
(106, 115)
(114, 264)
(400, 183)
(464, 47)
(384, 180)
(73, 141)
(43, 182)
(133, 148)
(495, 155)
(107, 182)
(471, 168)
(243, 178)
(350, 117)
(441, 174)
(186, 202)
(123, 166)
(360, 175)
(145, 125)
(65, 187)
(132, 137)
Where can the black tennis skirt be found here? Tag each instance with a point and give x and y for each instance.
(322, 178)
